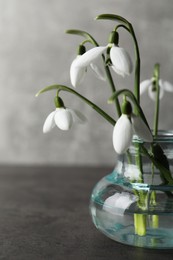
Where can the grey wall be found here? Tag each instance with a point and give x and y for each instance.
(35, 52)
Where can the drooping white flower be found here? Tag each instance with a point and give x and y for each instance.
(119, 202)
(63, 118)
(123, 131)
(147, 85)
(121, 61)
(76, 74)
(91, 55)
(78, 69)
(122, 134)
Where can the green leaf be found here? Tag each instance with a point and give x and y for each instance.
(156, 158)
(84, 34)
(52, 87)
(113, 17)
(160, 158)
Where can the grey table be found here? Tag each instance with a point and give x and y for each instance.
(44, 215)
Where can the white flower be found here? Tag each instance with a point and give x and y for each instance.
(132, 172)
(89, 56)
(121, 61)
(122, 134)
(63, 118)
(77, 72)
(124, 129)
(147, 85)
(119, 202)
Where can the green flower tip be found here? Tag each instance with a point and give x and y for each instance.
(96, 18)
(37, 94)
(110, 100)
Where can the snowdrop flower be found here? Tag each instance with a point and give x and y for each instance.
(119, 202)
(121, 61)
(132, 172)
(147, 85)
(119, 58)
(77, 72)
(62, 117)
(122, 134)
(126, 126)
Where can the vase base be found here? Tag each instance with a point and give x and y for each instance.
(159, 238)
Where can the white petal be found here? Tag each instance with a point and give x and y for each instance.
(110, 202)
(63, 119)
(119, 202)
(167, 86)
(98, 70)
(77, 116)
(122, 134)
(76, 73)
(89, 56)
(145, 85)
(121, 61)
(152, 93)
(141, 129)
(49, 122)
(132, 172)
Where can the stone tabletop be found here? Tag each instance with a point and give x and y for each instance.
(44, 215)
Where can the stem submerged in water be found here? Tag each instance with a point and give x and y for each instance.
(140, 224)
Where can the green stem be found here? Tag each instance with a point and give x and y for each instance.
(138, 161)
(155, 221)
(87, 101)
(140, 224)
(129, 28)
(157, 103)
(112, 85)
(155, 218)
(137, 59)
(137, 66)
(165, 172)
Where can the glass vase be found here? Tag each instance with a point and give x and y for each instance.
(134, 204)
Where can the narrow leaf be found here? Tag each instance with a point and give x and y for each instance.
(52, 87)
(113, 17)
(84, 34)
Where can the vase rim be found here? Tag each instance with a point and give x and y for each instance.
(162, 136)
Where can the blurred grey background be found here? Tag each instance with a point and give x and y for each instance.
(35, 52)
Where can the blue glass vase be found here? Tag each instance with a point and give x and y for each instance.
(134, 204)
